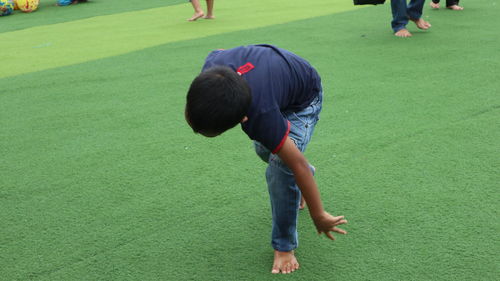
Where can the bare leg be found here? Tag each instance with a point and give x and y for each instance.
(210, 9)
(455, 7)
(198, 12)
(403, 33)
(422, 24)
(434, 5)
(284, 262)
(302, 203)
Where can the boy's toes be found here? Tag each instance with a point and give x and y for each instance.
(288, 268)
(284, 262)
(275, 270)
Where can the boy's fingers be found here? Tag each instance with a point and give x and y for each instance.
(329, 235)
(340, 222)
(338, 230)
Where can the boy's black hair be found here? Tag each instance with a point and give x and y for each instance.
(218, 99)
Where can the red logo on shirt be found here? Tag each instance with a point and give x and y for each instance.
(245, 68)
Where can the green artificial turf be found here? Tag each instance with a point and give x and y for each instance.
(55, 45)
(102, 179)
(49, 13)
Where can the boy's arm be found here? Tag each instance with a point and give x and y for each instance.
(296, 161)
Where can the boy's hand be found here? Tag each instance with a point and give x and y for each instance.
(326, 223)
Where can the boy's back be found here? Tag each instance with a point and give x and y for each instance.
(280, 81)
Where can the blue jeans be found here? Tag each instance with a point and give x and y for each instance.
(283, 191)
(401, 12)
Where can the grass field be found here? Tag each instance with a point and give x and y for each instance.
(102, 179)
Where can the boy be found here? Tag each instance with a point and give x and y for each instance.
(276, 96)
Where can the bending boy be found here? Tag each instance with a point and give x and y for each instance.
(276, 96)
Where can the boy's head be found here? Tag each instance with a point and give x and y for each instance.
(217, 100)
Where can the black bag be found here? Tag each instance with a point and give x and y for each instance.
(368, 2)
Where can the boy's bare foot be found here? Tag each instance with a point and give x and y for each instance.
(284, 262)
(455, 7)
(209, 17)
(403, 33)
(434, 5)
(422, 24)
(196, 16)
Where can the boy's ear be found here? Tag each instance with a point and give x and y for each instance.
(245, 119)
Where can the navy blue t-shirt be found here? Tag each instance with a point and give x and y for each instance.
(280, 81)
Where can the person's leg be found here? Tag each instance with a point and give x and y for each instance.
(434, 4)
(210, 9)
(284, 196)
(198, 12)
(415, 9)
(283, 191)
(264, 154)
(453, 5)
(399, 18)
(306, 117)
